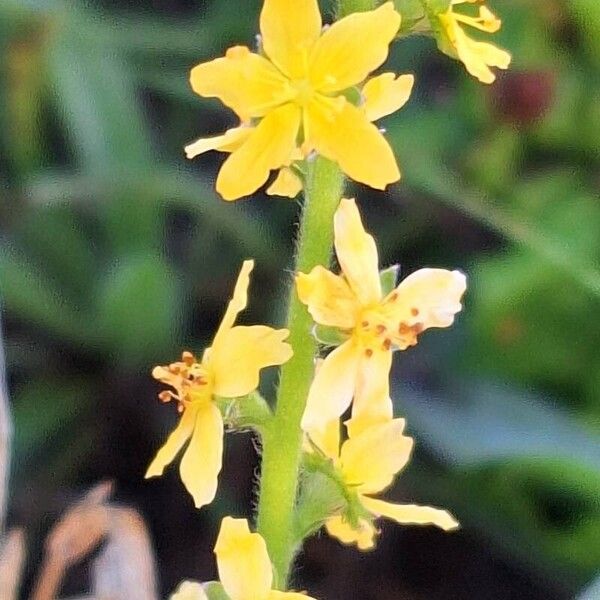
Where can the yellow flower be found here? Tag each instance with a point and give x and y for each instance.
(373, 324)
(229, 368)
(367, 463)
(477, 56)
(189, 590)
(245, 569)
(292, 98)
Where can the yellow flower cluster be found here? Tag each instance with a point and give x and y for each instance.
(292, 99)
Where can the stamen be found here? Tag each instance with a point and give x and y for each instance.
(387, 344)
(368, 352)
(403, 329)
(414, 312)
(365, 324)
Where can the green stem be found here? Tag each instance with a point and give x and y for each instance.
(282, 442)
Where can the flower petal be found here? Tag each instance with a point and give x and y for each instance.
(174, 443)
(271, 145)
(286, 184)
(357, 253)
(201, 463)
(333, 386)
(189, 590)
(244, 567)
(275, 595)
(373, 458)
(353, 47)
(328, 297)
(341, 132)
(363, 537)
(386, 94)
(411, 514)
(326, 438)
(231, 140)
(289, 30)
(244, 81)
(372, 403)
(427, 298)
(241, 353)
(238, 301)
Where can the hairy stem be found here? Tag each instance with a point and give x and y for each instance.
(282, 442)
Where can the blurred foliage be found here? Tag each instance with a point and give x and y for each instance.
(111, 243)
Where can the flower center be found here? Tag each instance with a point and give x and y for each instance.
(304, 91)
(378, 328)
(190, 379)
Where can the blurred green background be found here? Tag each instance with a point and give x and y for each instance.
(115, 253)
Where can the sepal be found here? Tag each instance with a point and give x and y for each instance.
(329, 336)
(246, 412)
(214, 590)
(389, 279)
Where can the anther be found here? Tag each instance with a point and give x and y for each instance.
(368, 352)
(187, 358)
(380, 328)
(387, 344)
(393, 297)
(403, 328)
(414, 312)
(364, 324)
(165, 396)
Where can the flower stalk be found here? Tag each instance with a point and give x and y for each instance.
(282, 441)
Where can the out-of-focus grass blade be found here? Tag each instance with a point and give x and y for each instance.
(94, 94)
(424, 170)
(173, 188)
(494, 423)
(28, 293)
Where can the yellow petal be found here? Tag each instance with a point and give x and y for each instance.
(245, 82)
(286, 184)
(243, 562)
(174, 443)
(411, 514)
(201, 462)
(357, 253)
(241, 353)
(363, 537)
(427, 297)
(386, 94)
(238, 301)
(275, 595)
(477, 56)
(328, 297)
(189, 590)
(353, 47)
(373, 458)
(231, 140)
(372, 403)
(270, 146)
(341, 132)
(333, 387)
(289, 30)
(326, 438)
